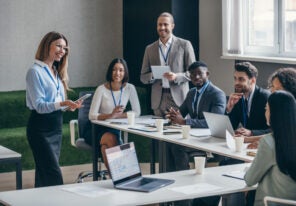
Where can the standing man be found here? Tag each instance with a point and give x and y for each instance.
(246, 107)
(170, 91)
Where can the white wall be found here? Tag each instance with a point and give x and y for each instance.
(210, 40)
(92, 27)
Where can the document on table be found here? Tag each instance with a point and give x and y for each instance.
(158, 71)
(197, 188)
(88, 190)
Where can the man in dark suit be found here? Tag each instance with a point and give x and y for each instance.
(246, 107)
(204, 97)
(170, 91)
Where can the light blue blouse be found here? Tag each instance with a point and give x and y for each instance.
(44, 92)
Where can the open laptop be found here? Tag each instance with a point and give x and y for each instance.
(218, 124)
(126, 173)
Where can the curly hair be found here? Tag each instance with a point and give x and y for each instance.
(287, 78)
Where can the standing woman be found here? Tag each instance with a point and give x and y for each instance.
(47, 82)
(109, 102)
(274, 167)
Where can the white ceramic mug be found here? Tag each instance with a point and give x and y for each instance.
(131, 117)
(159, 124)
(199, 163)
(185, 131)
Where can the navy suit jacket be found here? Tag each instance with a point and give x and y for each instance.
(212, 100)
(256, 121)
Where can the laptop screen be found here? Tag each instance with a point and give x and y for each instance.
(123, 162)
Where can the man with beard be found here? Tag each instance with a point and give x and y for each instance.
(246, 107)
(170, 91)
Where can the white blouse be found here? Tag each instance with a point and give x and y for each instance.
(103, 103)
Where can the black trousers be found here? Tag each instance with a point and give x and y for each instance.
(44, 133)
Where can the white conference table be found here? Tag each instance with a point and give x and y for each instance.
(8, 156)
(207, 144)
(210, 183)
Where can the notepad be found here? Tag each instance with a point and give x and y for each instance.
(158, 71)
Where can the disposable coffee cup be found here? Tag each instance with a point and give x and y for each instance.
(199, 163)
(185, 131)
(130, 117)
(239, 142)
(159, 124)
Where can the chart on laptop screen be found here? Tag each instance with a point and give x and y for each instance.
(123, 163)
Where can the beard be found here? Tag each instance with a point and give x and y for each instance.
(242, 89)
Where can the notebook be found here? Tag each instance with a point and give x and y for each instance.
(218, 124)
(126, 173)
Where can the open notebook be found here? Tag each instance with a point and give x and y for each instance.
(126, 173)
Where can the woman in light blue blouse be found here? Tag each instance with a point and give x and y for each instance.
(47, 82)
(274, 167)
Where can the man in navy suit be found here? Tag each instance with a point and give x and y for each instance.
(246, 106)
(204, 97)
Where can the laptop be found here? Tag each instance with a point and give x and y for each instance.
(126, 173)
(218, 124)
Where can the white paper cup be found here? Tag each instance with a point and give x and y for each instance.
(199, 163)
(239, 142)
(159, 124)
(185, 131)
(131, 117)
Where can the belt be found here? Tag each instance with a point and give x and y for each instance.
(166, 90)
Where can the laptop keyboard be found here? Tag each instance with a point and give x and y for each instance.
(139, 183)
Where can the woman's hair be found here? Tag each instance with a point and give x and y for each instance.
(43, 53)
(282, 106)
(110, 70)
(287, 78)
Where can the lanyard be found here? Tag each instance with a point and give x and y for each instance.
(197, 95)
(119, 101)
(58, 82)
(245, 111)
(165, 57)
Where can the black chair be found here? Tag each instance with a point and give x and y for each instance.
(83, 128)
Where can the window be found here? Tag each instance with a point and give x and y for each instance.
(260, 29)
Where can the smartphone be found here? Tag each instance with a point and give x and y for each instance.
(172, 132)
(118, 123)
(84, 97)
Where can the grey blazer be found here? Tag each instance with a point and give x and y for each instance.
(180, 58)
(212, 100)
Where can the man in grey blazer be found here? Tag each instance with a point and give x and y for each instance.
(170, 91)
(204, 97)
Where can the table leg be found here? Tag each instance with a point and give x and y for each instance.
(152, 156)
(95, 145)
(125, 137)
(18, 174)
(162, 156)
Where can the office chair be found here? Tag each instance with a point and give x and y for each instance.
(275, 201)
(84, 129)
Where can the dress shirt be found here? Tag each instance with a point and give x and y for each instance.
(164, 50)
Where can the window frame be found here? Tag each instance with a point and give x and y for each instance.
(275, 53)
